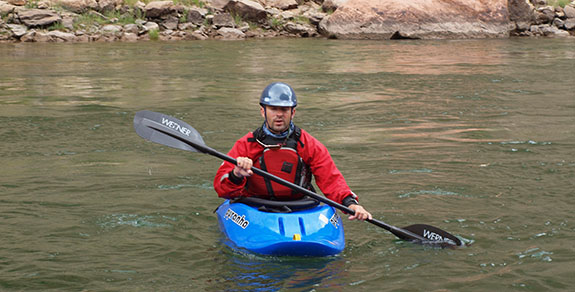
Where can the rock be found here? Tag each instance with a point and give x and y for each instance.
(68, 22)
(231, 33)
(282, 4)
(558, 22)
(111, 29)
(569, 24)
(287, 15)
(569, 11)
(544, 15)
(38, 17)
(223, 20)
(34, 36)
(186, 26)
(300, 29)
(131, 28)
(419, 19)
(150, 25)
(17, 30)
(219, 4)
(314, 17)
(195, 36)
(107, 5)
(158, 9)
(248, 10)
(77, 6)
(552, 31)
(331, 5)
(129, 37)
(62, 36)
(6, 8)
(171, 23)
(196, 16)
(17, 2)
(522, 13)
(43, 5)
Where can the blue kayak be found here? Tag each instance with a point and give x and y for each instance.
(294, 228)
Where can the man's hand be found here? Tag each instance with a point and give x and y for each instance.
(244, 167)
(360, 213)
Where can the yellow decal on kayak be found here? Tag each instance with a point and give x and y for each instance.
(296, 237)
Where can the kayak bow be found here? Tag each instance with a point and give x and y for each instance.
(315, 231)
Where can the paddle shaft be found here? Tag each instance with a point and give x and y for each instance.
(402, 233)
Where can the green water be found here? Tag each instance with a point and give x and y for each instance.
(475, 137)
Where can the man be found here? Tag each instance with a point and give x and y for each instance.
(281, 148)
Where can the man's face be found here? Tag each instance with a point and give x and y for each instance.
(278, 118)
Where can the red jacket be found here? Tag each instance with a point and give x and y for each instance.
(314, 154)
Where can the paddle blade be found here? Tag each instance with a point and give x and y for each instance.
(167, 130)
(434, 235)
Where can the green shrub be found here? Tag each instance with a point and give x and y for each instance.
(154, 34)
(556, 3)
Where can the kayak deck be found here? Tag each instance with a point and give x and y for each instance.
(317, 231)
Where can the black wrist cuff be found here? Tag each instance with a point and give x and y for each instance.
(349, 200)
(234, 179)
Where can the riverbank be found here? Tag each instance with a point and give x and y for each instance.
(131, 20)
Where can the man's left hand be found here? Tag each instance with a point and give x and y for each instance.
(360, 213)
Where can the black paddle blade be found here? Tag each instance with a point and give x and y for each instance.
(167, 130)
(434, 235)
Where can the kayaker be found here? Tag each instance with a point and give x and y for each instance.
(285, 150)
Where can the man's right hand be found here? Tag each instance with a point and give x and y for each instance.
(243, 167)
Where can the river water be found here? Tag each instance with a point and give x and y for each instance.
(476, 137)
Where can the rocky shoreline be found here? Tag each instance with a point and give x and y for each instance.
(133, 20)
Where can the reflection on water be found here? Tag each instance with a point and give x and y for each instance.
(475, 137)
(254, 273)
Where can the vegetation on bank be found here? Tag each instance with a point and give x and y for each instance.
(133, 12)
(558, 3)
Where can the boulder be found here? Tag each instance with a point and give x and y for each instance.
(545, 15)
(17, 30)
(112, 29)
(522, 13)
(418, 19)
(569, 24)
(150, 25)
(231, 33)
(38, 17)
(129, 37)
(77, 6)
(17, 2)
(35, 36)
(248, 10)
(196, 16)
(223, 20)
(219, 4)
(569, 11)
(107, 5)
(331, 5)
(282, 4)
(171, 23)
(131, 28)
(314, 17)
(62, 36)
(159, 9)
(6, 8)
(300, 29)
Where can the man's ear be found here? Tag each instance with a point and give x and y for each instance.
(263, 111)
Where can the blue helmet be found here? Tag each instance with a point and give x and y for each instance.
(278, 94)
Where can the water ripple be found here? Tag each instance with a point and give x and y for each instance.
(434, 192)
(135, 220)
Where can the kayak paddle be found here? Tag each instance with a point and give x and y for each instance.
(169, 131)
